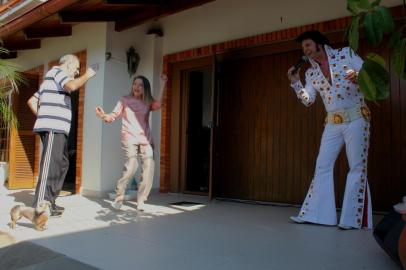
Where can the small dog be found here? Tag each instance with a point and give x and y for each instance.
(38, 216)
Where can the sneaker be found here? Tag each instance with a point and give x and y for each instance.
(297, 219)
(117, 205)
(345, 227)
(55, 213)
(57, 207)
(401, 207)
(141, 206)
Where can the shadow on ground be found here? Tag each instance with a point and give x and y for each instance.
(23, 196)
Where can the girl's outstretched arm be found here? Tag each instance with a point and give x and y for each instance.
(108, 118)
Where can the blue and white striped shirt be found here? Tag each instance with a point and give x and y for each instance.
(54, 113)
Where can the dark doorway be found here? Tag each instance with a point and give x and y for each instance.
(70, 179)
(199, 107)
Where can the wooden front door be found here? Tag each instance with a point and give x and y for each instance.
(23, 141)
(197, 128)
(194, 114)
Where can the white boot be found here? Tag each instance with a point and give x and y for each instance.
(401, 207)
(297, 219)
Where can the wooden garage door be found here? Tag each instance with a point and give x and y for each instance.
(268, 141)
(23, 140)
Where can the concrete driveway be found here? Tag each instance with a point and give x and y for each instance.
(196, 235)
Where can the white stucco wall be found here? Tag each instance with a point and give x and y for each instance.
(95, 44)
(224, 20)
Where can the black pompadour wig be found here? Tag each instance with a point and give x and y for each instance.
(316, 36)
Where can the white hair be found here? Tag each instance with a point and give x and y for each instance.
(68, 58)
(69, 63)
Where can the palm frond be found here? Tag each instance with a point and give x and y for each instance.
(6, 113)
(10, 79)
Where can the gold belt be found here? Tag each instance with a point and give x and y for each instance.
(347, 116)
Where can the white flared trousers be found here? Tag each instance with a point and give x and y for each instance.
(319, 205)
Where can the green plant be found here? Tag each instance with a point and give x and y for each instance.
(10, 78)
(378, 24)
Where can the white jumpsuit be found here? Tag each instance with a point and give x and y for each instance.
(340, 96)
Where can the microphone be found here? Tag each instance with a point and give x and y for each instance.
(299, 64)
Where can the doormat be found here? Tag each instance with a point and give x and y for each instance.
(185, 203)
(65, 193)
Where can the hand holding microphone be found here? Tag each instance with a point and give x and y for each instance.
(293, 72)
(352, 76)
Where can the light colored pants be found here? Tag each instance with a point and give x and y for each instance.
(319, 205)
(136, 153)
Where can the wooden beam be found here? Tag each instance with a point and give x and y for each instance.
(136, 19)
(62, 31)
(9, 55)
(136, 2)
(90, 16)
(16, 45)
(33, 16)
(160, 11)
(8, 5)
